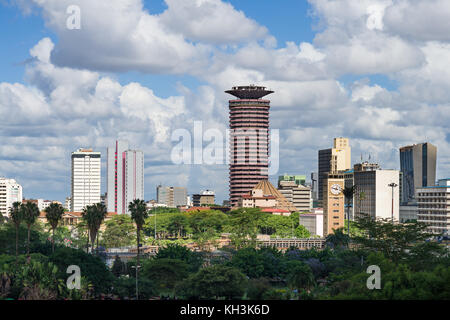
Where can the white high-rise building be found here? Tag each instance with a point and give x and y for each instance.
(10, 192)
(133, 177)
(125, 177)
(86, 178)
(375, 197)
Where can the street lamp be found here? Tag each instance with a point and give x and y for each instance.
(392, 185)
(137, 288)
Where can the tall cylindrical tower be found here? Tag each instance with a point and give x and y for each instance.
(249, 139)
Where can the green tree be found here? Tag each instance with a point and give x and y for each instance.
(214, 282)
(394, 240)
(92, 267)
(30, 214)
(119, 232)
(178, 223)
(257, 288)
(118, 268)
(94, 215)
(54, 213)
(337, 239)
(16, 214)
(244, 224)
(302, 232)
(299, 275)
(139, 213)
(165, 273)
(348, 193)
(178, 252)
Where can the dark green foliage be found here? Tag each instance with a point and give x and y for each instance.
(165, 273)
(256, 263)
(174, 251)
(125, 288)
(118, 268)
(92, 267)
(257, 288)
(214, 282)
(120, 231)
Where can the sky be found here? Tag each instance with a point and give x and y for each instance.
(375, 71)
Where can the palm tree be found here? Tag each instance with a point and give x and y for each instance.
(16, 215)
(337, 239)
(348, 193)
(30, 214)
(54, 213)
(94, 215)
(139, 213)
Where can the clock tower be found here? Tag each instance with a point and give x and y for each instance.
(333, 205)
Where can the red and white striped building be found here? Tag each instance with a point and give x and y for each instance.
(249, 139)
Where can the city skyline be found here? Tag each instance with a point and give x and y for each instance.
(64, 89)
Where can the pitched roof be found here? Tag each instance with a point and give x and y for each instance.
(269, 189)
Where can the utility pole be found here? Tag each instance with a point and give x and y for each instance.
(392, 185)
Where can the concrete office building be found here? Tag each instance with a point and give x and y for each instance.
(313, 222)
(206, 197)
(10, 192)
(376, 198)
(249, 139)
(125, 177)
(171, 196)
(333, 160)
(298, 179)
(86, 178)
(298, 194)
(408, 213)
(434, 206)
(418, 164)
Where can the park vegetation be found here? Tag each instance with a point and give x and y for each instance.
(34, 258)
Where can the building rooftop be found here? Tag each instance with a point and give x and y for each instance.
(249, 92)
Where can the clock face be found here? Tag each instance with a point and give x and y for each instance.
(336, 189)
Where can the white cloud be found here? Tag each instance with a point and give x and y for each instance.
(419, 19)
(211, 21)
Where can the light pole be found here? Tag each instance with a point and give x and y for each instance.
(137, 273)
(392, 185)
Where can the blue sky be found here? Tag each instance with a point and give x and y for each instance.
(369, 70)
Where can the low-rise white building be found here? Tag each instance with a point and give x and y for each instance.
(313, 222)
(434, 206)
(10, 192)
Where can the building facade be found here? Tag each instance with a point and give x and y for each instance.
(434, 206)
(332, 160)
(333, 205)
(171, 196)
(408, 213)
(10, 192)
(206, 197)
(418, 165)
(375, 197)
(298, 179)
(313, 222)
(249, 139)
(298, 194)
(125, 177)
(86, 178)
